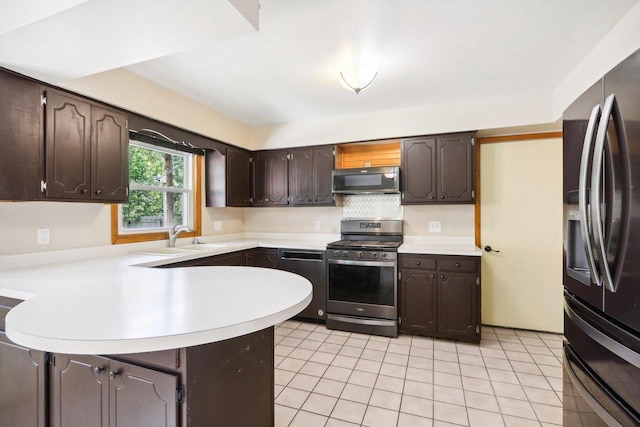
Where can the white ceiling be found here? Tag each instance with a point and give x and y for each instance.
(425, 51)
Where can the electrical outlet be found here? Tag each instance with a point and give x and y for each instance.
(317, 225)
(367, 164)
(217, 225)
(435, 226)
(43, 236)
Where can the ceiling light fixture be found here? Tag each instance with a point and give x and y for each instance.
(357, 90)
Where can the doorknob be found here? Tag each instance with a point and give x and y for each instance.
(490, 249)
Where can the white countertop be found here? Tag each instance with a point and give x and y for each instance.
(106, 301)
(114, 305)
(440, 246)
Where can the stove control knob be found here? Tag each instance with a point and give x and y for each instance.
(374, 255)
(383, 255)
(359, 254)
(336, 253)
(345, 253)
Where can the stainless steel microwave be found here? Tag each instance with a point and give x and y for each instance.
(366, 180)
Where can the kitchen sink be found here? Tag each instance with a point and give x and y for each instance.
(202, 246)
(181, 250)
(166, 251)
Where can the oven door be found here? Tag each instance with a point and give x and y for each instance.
(362, 288)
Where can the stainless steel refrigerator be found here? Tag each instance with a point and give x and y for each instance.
(601, 137)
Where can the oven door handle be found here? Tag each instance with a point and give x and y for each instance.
(362, 263)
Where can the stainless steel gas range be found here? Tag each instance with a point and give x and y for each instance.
(362, 272)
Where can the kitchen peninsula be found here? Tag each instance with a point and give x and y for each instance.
(184, 346)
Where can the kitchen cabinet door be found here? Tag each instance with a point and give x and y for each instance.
(22, 385)
(94, 391)
(109, 155)
(458, 306)
(418, 301)
(301, 174)
(323, 164)
(238, 177)
(79, 391)
(456, 169)
(68, 147)
(21, 138)
(262, 257)
(261, 184)
(270, 178)
(278, 174)
(418, 171)
(141, 397)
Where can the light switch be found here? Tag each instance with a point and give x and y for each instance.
(435, 227)
(317, 225)
(217, 225)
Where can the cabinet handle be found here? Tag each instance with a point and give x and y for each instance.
(442, 276)
(113, 374)
(430, 196)
(85, 191)
(97, 370)
(417, 262)
(432, 276)
(458, 264)
(98, 192)
(273, 201)
(442, 196)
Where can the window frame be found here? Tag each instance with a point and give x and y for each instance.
(119, 236)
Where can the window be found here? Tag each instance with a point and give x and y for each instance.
(163, 186)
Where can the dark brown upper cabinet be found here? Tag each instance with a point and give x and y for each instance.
(270, 178)
(109, 155)
(438, 169)
(57, 146)
(418, 172)
(86, 149)
(238, 177)
(228, 178)
(21, 138)
(310, 176)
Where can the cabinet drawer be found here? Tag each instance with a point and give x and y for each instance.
(418, 261)
(157, 359)
(467, 265)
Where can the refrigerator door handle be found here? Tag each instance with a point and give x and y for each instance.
(607, 342)
(586, 395)
(596, 194)
(583, 204)
(611, 111)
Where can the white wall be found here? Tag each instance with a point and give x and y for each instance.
(456, 117)
(622, 41)
(135, 93)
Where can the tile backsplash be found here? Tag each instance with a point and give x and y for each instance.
(385, 206)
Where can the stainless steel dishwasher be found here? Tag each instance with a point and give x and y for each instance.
(310, 265)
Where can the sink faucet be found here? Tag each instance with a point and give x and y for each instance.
(174, 232)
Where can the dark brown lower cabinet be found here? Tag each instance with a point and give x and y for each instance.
(22, 385)
(440, 296)
(262, 257)
(458, 302)
(88, 391)
(418, 297)
(221, 384)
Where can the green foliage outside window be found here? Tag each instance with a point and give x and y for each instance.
(146, 207)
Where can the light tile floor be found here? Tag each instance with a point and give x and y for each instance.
(339, 379)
